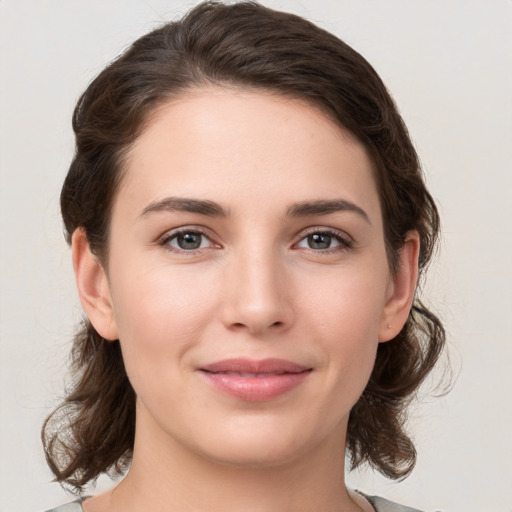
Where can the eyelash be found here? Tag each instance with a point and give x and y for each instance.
(344, 241)
(165, 240)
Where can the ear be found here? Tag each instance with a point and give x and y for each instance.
(401, 289)
(93, 286)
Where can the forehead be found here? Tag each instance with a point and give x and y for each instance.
(240, 144)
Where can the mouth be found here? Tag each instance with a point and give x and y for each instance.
(253, 380)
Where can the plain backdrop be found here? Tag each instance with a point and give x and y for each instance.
(447, 64)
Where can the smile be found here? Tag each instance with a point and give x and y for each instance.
(255, 381)
(246, 374)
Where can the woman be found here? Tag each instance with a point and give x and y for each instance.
(248, 222)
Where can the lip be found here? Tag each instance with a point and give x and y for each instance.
(255, 380)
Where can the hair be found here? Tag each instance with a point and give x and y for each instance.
(244, 45)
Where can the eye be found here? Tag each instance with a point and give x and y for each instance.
(323, 241)
(187, 240)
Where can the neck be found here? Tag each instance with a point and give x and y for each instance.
(181, 480)
(165, 476)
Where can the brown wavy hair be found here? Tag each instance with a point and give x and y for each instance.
(244, 45)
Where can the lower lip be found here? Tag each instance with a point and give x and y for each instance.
(256, 389)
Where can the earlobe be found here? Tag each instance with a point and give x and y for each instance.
(93, 286)
(401, 290)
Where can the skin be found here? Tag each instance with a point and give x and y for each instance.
(255, 288)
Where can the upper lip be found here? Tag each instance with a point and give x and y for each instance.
(252, 366)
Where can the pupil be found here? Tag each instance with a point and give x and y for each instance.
(189, 240)
(319, 241)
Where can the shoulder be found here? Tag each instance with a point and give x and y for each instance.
(383, 505)
(75, 506)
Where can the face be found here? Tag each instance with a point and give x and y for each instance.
(247, 277)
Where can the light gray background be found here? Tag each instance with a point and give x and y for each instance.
(448, 65)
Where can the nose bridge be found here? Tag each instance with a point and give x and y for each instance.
(258, 298)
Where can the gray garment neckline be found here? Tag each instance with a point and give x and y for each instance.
(378, 503)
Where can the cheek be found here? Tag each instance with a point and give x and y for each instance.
(160, 315)
(348, 302)
(346, 319)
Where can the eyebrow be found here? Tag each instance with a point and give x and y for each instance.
(213, 209)
(179, 204)
(324, 207)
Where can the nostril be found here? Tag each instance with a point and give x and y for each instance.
(241, 325)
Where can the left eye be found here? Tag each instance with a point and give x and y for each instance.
(322, 241)
(188, 240)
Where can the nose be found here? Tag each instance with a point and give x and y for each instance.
(257, 298)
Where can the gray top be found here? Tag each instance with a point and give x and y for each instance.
(383, 505)
(75, 506)
(379, 504)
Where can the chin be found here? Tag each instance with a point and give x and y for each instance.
(255, 455)
(260, 444)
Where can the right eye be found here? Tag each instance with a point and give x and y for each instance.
(187, 240)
